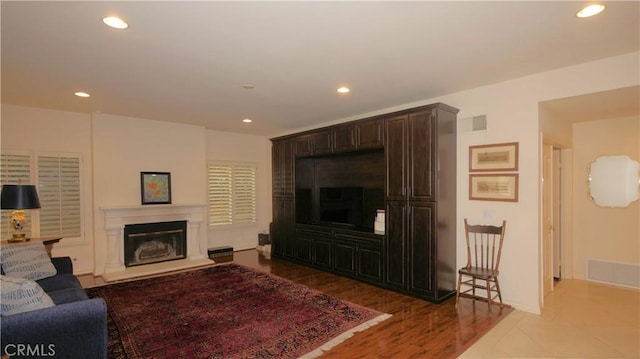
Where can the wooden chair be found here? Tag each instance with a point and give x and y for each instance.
(484, 248)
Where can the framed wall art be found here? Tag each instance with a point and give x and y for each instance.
(155, 187)
(496, 157)
(494, 187)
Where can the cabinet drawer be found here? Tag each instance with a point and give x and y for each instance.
(358, 236)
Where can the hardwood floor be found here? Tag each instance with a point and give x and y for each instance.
(417, 329)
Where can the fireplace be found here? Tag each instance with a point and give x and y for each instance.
(147, 243)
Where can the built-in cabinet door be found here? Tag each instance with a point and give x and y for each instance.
(304, 247)
(369, 263)
(344, 138)
(321, 142)
(282, 162)
(422, 245)
(344, 254)
(422, 156)
(303, 146)
(396, 157)
(322, 253)
(370, 134)
(276, 167)
(395, 245)
(283, 227)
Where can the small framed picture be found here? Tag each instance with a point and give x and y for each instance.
(155, 187)
(496, 157)
(494, 187)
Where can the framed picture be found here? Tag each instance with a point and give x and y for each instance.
(496, 157)
(155, 187)
(494, 187)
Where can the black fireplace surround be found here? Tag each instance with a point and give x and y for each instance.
(147, 243)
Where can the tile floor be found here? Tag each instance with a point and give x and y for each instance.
(580, 320)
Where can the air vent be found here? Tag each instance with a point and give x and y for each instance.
(473, 124)
(613, 272)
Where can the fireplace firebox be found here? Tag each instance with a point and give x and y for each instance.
(147, 243)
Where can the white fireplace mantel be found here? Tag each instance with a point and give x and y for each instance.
(116, 217)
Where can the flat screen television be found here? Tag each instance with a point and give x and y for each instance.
(341, 205)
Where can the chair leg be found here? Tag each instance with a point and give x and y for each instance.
(458, 289)
(498, 290)
(473, 287)
(489, 300)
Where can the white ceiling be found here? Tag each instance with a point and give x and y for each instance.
(188, 61)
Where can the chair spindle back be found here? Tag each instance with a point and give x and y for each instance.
(484, 245)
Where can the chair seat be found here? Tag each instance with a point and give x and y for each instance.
(479, 272)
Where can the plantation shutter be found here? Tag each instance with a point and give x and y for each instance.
(15, 169)
(244, 181)
(220, 195)
(59, 193)
(232, 194)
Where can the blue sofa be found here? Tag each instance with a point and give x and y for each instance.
(76, 327)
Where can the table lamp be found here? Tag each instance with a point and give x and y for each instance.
(18, 198)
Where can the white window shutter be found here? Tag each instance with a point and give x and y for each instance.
(59, 193)
(232, 193)
(220, 194)
(244, 181)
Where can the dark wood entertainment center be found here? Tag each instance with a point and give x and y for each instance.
(404, 163)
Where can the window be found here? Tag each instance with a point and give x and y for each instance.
(232, 193)
(59, 191)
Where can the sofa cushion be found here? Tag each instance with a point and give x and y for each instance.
(60, 281)
(20, 295)
(27, 260)
(68, 295)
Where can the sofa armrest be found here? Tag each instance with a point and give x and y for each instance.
(63, 265)
(70, 330)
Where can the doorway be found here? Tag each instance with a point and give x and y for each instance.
(551, 217)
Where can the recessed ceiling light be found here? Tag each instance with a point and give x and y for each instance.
(590, 10)
(247, 120)
(115, 22)
(343, 89)
(82, 94)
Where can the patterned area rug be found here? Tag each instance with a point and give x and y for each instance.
(227, 311)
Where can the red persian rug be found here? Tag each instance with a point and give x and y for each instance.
(227, 311)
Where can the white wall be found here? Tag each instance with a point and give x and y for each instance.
(604, 233)
(34, 129)
(225, 146)
(125, 146)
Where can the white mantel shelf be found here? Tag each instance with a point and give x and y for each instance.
(116, 217)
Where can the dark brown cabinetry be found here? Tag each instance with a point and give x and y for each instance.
(344, 138)
(283, 228)
(282, 169)
(420, 149)
(370, 133)
(416, 255)
(353, 136)
(283, 224)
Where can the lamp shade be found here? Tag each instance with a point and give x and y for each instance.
(19, 197)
